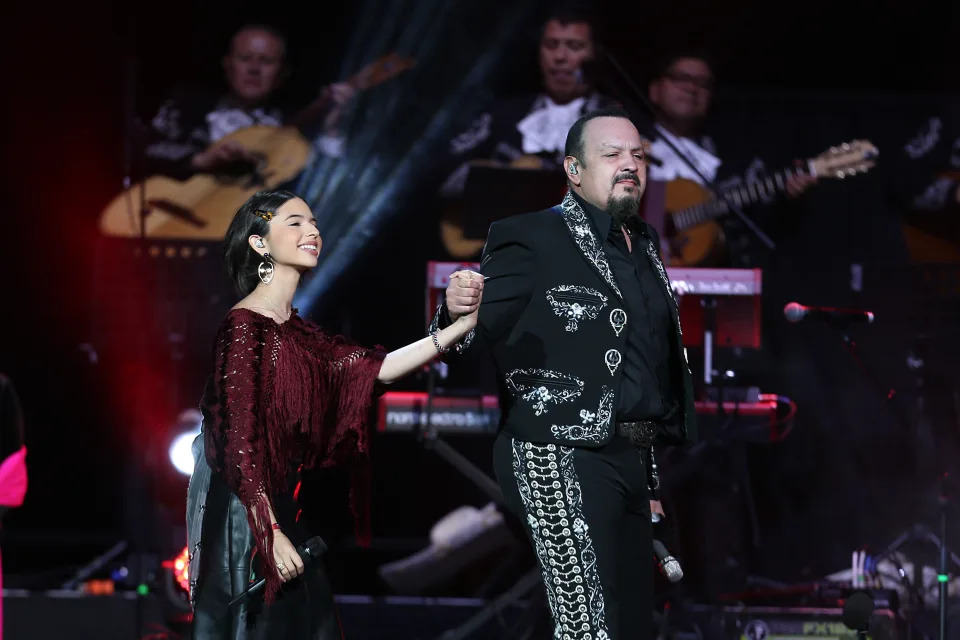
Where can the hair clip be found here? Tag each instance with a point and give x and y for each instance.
(266, 215)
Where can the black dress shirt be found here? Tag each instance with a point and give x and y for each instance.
(646, 392)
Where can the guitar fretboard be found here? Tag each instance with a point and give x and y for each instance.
(741, 196)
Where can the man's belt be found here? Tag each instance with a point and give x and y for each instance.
(640, 433)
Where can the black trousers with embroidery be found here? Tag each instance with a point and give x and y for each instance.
(587, 512)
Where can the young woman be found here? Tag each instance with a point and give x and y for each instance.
(283, 394)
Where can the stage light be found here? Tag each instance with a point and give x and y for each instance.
(181, 449)
(180, 567)
(386, 175)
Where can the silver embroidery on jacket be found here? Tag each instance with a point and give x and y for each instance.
(612, 359)
(542, 387)
(618, 320)
(552, 499)
(576, 220)
(655, 259)
(576, 303)
(593, 426)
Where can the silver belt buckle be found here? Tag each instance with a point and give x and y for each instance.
(640, 433)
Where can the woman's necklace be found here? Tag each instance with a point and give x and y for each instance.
(283, 315)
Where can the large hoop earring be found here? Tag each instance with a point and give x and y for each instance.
(265, 270)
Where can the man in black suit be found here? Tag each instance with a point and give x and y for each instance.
(585, 333)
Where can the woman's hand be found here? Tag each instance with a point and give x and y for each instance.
(285, 557)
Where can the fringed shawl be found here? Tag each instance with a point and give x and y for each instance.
(287, 392)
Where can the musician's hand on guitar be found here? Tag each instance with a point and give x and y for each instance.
(226, 152)
(463, 293)
(341, 93)
(797, 183)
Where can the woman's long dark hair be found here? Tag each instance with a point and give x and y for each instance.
(242, 261)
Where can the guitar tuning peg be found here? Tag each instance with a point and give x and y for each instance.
(845, 146)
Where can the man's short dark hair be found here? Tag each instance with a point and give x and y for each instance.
(668, 59)
(574, 144)
(575, 13)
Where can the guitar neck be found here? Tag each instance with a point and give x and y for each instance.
(741, 196)
(314, 111)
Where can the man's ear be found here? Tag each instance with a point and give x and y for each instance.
(571, 166)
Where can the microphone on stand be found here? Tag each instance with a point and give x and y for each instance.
(668, 565)
(309, 551)
(795, 312)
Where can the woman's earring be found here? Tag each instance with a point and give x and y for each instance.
(265, 270)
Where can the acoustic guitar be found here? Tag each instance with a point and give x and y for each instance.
(935, 236)
(201, 207)
(694, 236)
(452, 218)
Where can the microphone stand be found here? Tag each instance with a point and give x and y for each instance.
(132, 137)
(850, 346)
(943, 501)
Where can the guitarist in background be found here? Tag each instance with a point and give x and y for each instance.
(530, 130)
(925, 187)
(705, 488)
(682, 92)
(187, 123)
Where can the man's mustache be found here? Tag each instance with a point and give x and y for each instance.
(632, 177)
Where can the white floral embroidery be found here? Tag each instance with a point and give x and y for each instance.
(655, 259)
(925, 140)
(586, 239)
(477, 132)
(552, 498)
(593, 427)
(542, 387)
(576, 303)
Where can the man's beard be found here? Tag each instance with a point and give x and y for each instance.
(622, 207)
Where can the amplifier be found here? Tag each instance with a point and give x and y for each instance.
(777, 623)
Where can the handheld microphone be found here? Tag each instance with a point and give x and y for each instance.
(668, 565)
(795, 312)
(308, 552)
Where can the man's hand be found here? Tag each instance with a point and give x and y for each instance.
(463, 293)
(657, 509)
(797, 183)
(341, 93)
(223, 153)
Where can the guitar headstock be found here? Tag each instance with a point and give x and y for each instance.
(380, 70)
(847, 159)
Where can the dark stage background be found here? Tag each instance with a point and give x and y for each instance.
(105, 349)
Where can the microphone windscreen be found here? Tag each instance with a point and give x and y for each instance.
(314, 547)
(857, 611)
(793, 312)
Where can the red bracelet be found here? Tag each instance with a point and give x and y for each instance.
(275, 526)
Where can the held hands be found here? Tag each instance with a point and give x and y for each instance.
(285, 557)
(463, 295)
